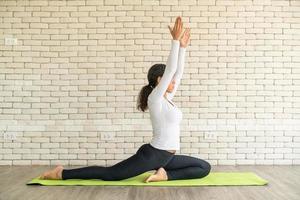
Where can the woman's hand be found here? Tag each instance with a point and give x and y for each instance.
(177, 29)
(185, 38)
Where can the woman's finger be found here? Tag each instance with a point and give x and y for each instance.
(170, 28)
(177, 19)
(175, 26)
(180, 28)
(178, 22)
(185, 33)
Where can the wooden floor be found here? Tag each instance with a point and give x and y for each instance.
(284, 184)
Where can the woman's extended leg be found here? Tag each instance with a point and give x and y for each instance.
(186, 167)
(145, 159)
(130, 167)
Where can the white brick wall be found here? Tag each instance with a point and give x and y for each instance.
(78, 66)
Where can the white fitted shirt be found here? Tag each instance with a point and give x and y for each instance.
(165, 117)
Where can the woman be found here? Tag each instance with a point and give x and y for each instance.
(159, 154)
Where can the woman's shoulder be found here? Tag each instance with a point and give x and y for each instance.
(154, 104)
(153, 98)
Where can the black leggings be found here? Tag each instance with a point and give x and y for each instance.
(146, 158)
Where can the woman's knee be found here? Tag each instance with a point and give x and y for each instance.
(207, 167)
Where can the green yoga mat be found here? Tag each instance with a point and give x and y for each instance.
(214, 178)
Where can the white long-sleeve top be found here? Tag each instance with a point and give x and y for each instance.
(164, 114)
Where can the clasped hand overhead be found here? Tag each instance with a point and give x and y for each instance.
(176, 33)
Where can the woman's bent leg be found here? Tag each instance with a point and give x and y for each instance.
(186, 167)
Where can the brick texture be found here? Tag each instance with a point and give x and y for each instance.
(78, 66)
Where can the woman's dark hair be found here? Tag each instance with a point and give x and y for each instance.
(153, 73)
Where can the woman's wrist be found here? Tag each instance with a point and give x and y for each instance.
(176, 41)
(182, 50)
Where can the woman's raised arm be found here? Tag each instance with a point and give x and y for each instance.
(181, 59)
(171, 66)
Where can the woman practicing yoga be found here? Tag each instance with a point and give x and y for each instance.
(165, 117)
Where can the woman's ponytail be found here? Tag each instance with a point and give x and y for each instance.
(143, 97)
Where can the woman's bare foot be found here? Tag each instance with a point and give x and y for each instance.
(55, 173)
(160, 175)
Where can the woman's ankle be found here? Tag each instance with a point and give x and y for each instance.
(59, 173)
